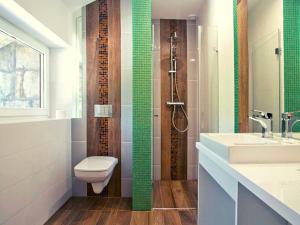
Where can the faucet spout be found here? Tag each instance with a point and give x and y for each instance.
(261, 122)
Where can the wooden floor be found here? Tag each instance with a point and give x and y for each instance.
(168, 195)
(175, 194)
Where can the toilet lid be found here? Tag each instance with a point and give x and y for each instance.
(96, 164)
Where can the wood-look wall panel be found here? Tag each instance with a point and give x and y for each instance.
(92, 22)
(165, 96)
(114, 94)
(104, 84)
(179, 168)
(242, 12)
(173, 143)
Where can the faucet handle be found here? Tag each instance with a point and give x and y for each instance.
(261, 114)
(286, 115)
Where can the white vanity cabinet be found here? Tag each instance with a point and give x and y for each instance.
(217, 207)
(248, 193)
(253, 211)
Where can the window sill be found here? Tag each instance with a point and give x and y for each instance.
(28, 120)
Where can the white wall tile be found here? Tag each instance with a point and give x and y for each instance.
(192, 94)
(156, 65)
(126, 156)
(10, 173)
(192, 173)
(126, 51)
(157, 151)
(193, 124)
(156, 93)
(156, 172)
(39, 176)
(79, 152)
(26, 140)
(157, 122)
(126, 98)
(13, 199)
(79, 187)
(126, 18)
(156, 40)
(126, 89)
(126, 120)
(192, 37)
(126, 185)
(192, 152)
(192, 65)
(79, 129)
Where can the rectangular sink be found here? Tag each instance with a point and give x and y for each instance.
(252, 148)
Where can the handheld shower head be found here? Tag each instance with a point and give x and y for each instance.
(173, 36)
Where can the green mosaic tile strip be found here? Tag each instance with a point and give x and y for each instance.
(236, 68)
(142, 105)
(291, 24)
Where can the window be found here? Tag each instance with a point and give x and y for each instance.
(23, 74)
(20, 74)
(79, 79)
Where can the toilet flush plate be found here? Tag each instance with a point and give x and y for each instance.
(102, 111)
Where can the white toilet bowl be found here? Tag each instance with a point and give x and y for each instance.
(96, 170)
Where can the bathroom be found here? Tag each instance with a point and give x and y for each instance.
(149, 112)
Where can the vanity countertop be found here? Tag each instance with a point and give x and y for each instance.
(277, 184)
(281, 181)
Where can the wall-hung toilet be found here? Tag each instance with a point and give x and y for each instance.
(96, 170)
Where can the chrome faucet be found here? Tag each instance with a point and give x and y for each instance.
(288, 121)
(265, 119)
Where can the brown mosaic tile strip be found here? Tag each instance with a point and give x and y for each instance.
(102, 76)
(174, 133)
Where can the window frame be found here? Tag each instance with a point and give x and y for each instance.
(44, 110)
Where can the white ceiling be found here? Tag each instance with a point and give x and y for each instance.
(175, 9)
(161, 9)
(76, 4)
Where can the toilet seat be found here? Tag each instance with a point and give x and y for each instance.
(96, 164)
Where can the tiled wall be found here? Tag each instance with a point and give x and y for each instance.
(35, 170)
(79, 152)
(291, 15)
(79, 129)
(79, 133)
(156, 101)
(142, 105)
(126, 99)
(193, 74)
(192, 67)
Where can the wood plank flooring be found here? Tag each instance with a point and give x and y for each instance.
(175, 194)
(175, 203)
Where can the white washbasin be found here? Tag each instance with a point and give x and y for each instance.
(252, 148)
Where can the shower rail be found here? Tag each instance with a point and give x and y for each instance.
(173, 75)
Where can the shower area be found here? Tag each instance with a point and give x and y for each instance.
(175, 99)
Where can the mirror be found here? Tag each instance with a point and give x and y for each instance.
(260, 62)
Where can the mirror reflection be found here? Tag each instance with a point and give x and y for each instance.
(260, 37)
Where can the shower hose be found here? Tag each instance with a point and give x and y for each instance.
(182, 108)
